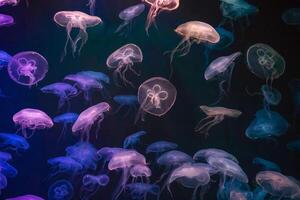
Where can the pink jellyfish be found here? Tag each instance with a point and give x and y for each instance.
(6, 20)
(27, 68)
(123, 60)
(88, 117)
(76, 19)
(32, 119)
(8, 2)
(156, 7)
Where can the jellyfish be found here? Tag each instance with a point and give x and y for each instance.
(92, 183)
(222, 68)
(88, 117)
(8, 2)
(4, 59)
(6, 20)
(106, 153)
(234, 189)
(215, 115)
(123, 60)
(64, 91)
(259, 194)
(79, 20)
(264, 62)
(5, 156)
(32, 119)
(128, 15)
(7, 170)
(65, 119)
(294, 145)
(131, 141)
(140, 172)
(123, 161)
(266, 124)
(140, 191)
(27, 68)
(3, 182)
(291, 16)
(92, 6)
(98, 76)
(160, 147)
(64, 164)
(204, 154)
(129, 102)
(60, 190)
(239, 195)
(271, 96)
(266, 165)
(26, 197)
(11, 141)
(156, 6)
(156, 96)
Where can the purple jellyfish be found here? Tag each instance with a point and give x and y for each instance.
(6, 20)
(204, 154)
(131, 141)
(156, 97)
(5, 156)
(32, 119)
(8, 2)
(87, 118)
(140, 172)
(106, 153)
(64, 164)
(26, 197)
(160, 147)
(7, 170)
(60, 190)
(123, 60)
(140, 191)
(65, 119)
(99, 76)
(91, 184)
(4, 59)
(27, 68)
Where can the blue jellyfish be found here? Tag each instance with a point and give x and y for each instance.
(140, 191)
(106, 153)
(291, 16)
(7, 170)
(133, 140)
(92, 183)
(65, 165)
(160, 147)
(266, 164)
(294, 145)
(129, 102)
(5, 156)
(4, 59)
(65, 119)
(271, 96)
(259, 194)
(60, 190)
(3, 182)
(13, 142)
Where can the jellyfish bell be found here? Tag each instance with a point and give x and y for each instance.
(131, 141)
(8, 2)
(91, 184)
(60, 190)
(4, 59)
(204, 154)
(266, 165)
(99, 76)
(5, 156)
(161, 147)
(291, 16)
(26, 197)
(139, 191)
(140, 172)
(64, 164)
(13, 142)
(6, 20)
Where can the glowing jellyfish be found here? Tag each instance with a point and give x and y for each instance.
(204, 154)
(123, 60)
(238, 195)
(266, 165)
(60, 190)
(131, 141)
(156, 97)
(13, 142)
(294, 145)
(7, 170)
(234, 188)
(264, 62)
(5, 156)
(140, 191)
(6, 20)
(291, 16)
(271, 96)
(4, 59)
(92, 183)
(65, 119)
(27, 68)
(160, 147)
(140, 172)
(8, 2)
(3, 182)
(128, 15)
(99, 76)
(64, 164)
(32, 119)
(215, 115)
(88, 117)
(26, 197)
(106, 153)
(76, 19)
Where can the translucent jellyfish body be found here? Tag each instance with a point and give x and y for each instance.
(123, 60)
(204, 154)
(140, 172)
(4, 59)
(27, 68)
(92, 183)
(8, 2)
(79, 20)
(99, 76)
(65, 119)
(131, 141)
(6, 20)
(106, 153)
(140, 191)
(239, 195)
(26, 197)
(32, 119)
(13, 142)
(5, 156)
(291, 16)
(88, 117)
(60, 190)
(156, 97)
(215, 115)
(160, 147)
(64, 164)
(266, 165)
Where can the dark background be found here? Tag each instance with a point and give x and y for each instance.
(35, 30)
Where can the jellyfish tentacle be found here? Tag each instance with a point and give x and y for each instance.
(151, 17)
(122, 26)
(92, 5)
(133, 70)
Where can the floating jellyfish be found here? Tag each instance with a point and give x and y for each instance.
(160, 147)
(264, 62)
(8, 2)
(27, 68)
(271, 96)
(6, 20)
(60, 190)
(65, 119)
(92, 183)
(259, 193)
(32, 119)
(79, 20)
(156, 97)
(131, 141)
(26, 197)
(128, 15)
(140, 191)
(234, 189)
(13, 142)
(7, 170)
(64, 164)
(140, 172)
(88, 117)
(64, 91)
(267, 124)
(156, 6)
(129, 102)
(291, 16)
(294, 145)
(5, 156)
(204, 154)
(215, 115)
(106, 153)
(123, 60)
(238, 195)
(99, 76)
(266, 165)
(3, 182)
(92, 5)
(4, 59)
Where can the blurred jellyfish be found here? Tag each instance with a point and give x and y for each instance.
(131, 141)
(294, 86)
(60, 190)
(215, 115)
(235, 190)
(267, 124)
(6, 20)
(160, 147)
(5, 156)
(156, 6)
(10, 141)
(156, 96)
(140, 191)
(76, 19)
(238, 195)
(65, 165)
(92, 183)
(3, 182)
(26, 197)
(106, 153)
(291, 16)
(64, 91)
(264, 62)
(266, 165)
(123, 60)
(204, 154)
(7, 170)
(32, 119)
(99, 76)
(8, 2)
(4, 59)
(259, 193)
(65, 119)
(140, 172)
(88, 117)
(92, 6)
(294, 145)
(128, 15)
(129, 102)
(27, 68)
(271, 96)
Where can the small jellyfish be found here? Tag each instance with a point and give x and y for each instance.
(106, 153)
(60, 190)
(291, 16)
(26, 197)
(8, 2)
(294, 145)
(4, 59)
(64, 164)
(65, 119)
(5, 156)
(215, 115)
(3, 182)
(266, 165)
(204, 154)
(131, 141)
(7, 170)
(99, 76)
(79, 20)
(160, 147)
(88, 117)
(156, 96)
(64, 91)
(6, 20)
(92, 183)
(140, 172)
(140, 191)
(27, 68)
(11, 141)
(123, 60)
(271, 96)
(129, 102)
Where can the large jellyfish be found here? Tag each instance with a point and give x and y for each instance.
(32, 119)
(60, 190)
(6, 20)
(156, 97)
(291, 16)
(64, 91)
(76, 19)
(123, 60)
(65, 165)
(266, 165)
(204, 154)
(27, 68)
(140, 191)
(106, 153)
(160, 147)
(129, 102)
(215, 115)
(8, 2)
(88, 117)
(13, 142)
(26, 197)
(140, 172)
(65, 119)
(7, 170)
(4, 59)
(131, 141)
(92, 183)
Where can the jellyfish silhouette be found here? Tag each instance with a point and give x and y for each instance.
(92, 183)
(156, 97)
(64, 164)
(76, 19)
(60, 190)
(106, 153)
(128, 102)
(98, 76)
(65, 119)
(8, 2)
(140, 172)
(123, 60)
(204, 154)
(131, 141)
(6, 20)
(160, 147)
(266, 165)
(291, 16)
(10, 141)
(141, 191)
(4, 59)
(26, 197)
(27, 68)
